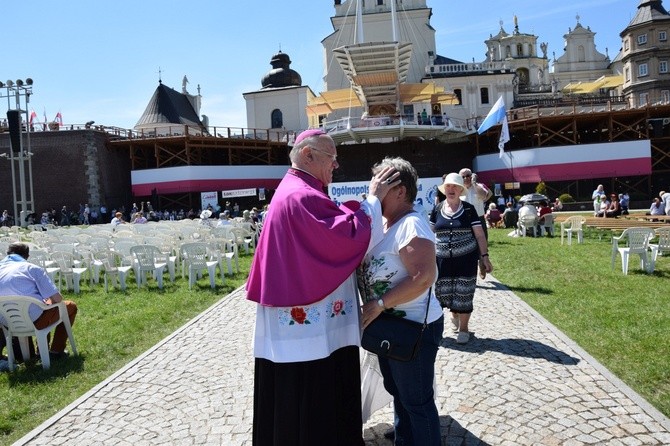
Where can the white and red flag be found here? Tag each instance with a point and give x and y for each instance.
(59, 119)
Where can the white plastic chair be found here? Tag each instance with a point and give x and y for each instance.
(573, 225)
(17, 322)
(243, 237)
(637, 242)
(226, 250)
(663, 244)
(68, 238)
(62, 247)
(147, 261)
(167, 253)
(111, 268)
(547, 224)
(41, 258)
(71, 273)
(528, 223)
(195, 260)
(123, 249)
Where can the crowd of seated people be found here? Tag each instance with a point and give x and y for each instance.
(609, 207)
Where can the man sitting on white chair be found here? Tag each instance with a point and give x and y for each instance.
(526, 211)
(22, 278)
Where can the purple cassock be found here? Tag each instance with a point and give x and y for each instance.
(308, 245)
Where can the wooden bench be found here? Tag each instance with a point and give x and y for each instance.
(620, 224)
(652, 218)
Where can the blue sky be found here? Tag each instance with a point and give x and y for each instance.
(100, 60)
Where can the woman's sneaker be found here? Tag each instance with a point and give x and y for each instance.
(463, 337)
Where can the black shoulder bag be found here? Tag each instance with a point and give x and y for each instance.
(394, 337)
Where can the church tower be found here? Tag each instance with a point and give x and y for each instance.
(580, 61)
(519, 53)
(646, 55)
(280, 103)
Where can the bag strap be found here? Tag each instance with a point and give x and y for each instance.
(425, 319)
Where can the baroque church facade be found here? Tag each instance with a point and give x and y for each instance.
(516, 67)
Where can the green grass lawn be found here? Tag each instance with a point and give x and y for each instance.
(623, 321)
(111, 330)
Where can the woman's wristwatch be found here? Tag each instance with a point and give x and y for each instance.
(380, 302)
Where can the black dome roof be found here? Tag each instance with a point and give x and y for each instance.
(281, 75)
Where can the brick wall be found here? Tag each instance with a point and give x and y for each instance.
(69, 167)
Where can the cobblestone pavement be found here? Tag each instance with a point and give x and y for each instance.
(518, 382)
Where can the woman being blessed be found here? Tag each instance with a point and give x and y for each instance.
(397, 276)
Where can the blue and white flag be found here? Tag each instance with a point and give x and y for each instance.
(497, 115)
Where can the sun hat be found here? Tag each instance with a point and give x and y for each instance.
(452, 178)
(205, 214)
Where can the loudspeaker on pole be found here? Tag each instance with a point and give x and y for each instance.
(14, 123)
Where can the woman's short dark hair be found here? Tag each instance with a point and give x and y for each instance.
(408, 176)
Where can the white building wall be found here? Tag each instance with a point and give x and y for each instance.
(291, 101)
(470, 86)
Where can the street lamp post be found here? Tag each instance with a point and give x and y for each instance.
(20, 91)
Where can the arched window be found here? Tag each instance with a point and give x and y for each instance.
(276, 119)
(519, 50)
(523, 77)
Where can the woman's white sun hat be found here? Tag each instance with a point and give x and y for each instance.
(452, 178)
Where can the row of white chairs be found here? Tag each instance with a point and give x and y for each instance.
(88, 248)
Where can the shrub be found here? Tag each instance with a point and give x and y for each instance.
(566, 198)
(541, 188)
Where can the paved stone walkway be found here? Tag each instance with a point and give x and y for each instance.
(518, 382)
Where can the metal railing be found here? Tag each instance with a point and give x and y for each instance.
(277, 135)
(348, 122)
(460, 68)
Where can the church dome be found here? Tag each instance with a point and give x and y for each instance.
(281, 75)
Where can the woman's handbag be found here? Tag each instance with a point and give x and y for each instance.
(394, 337)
